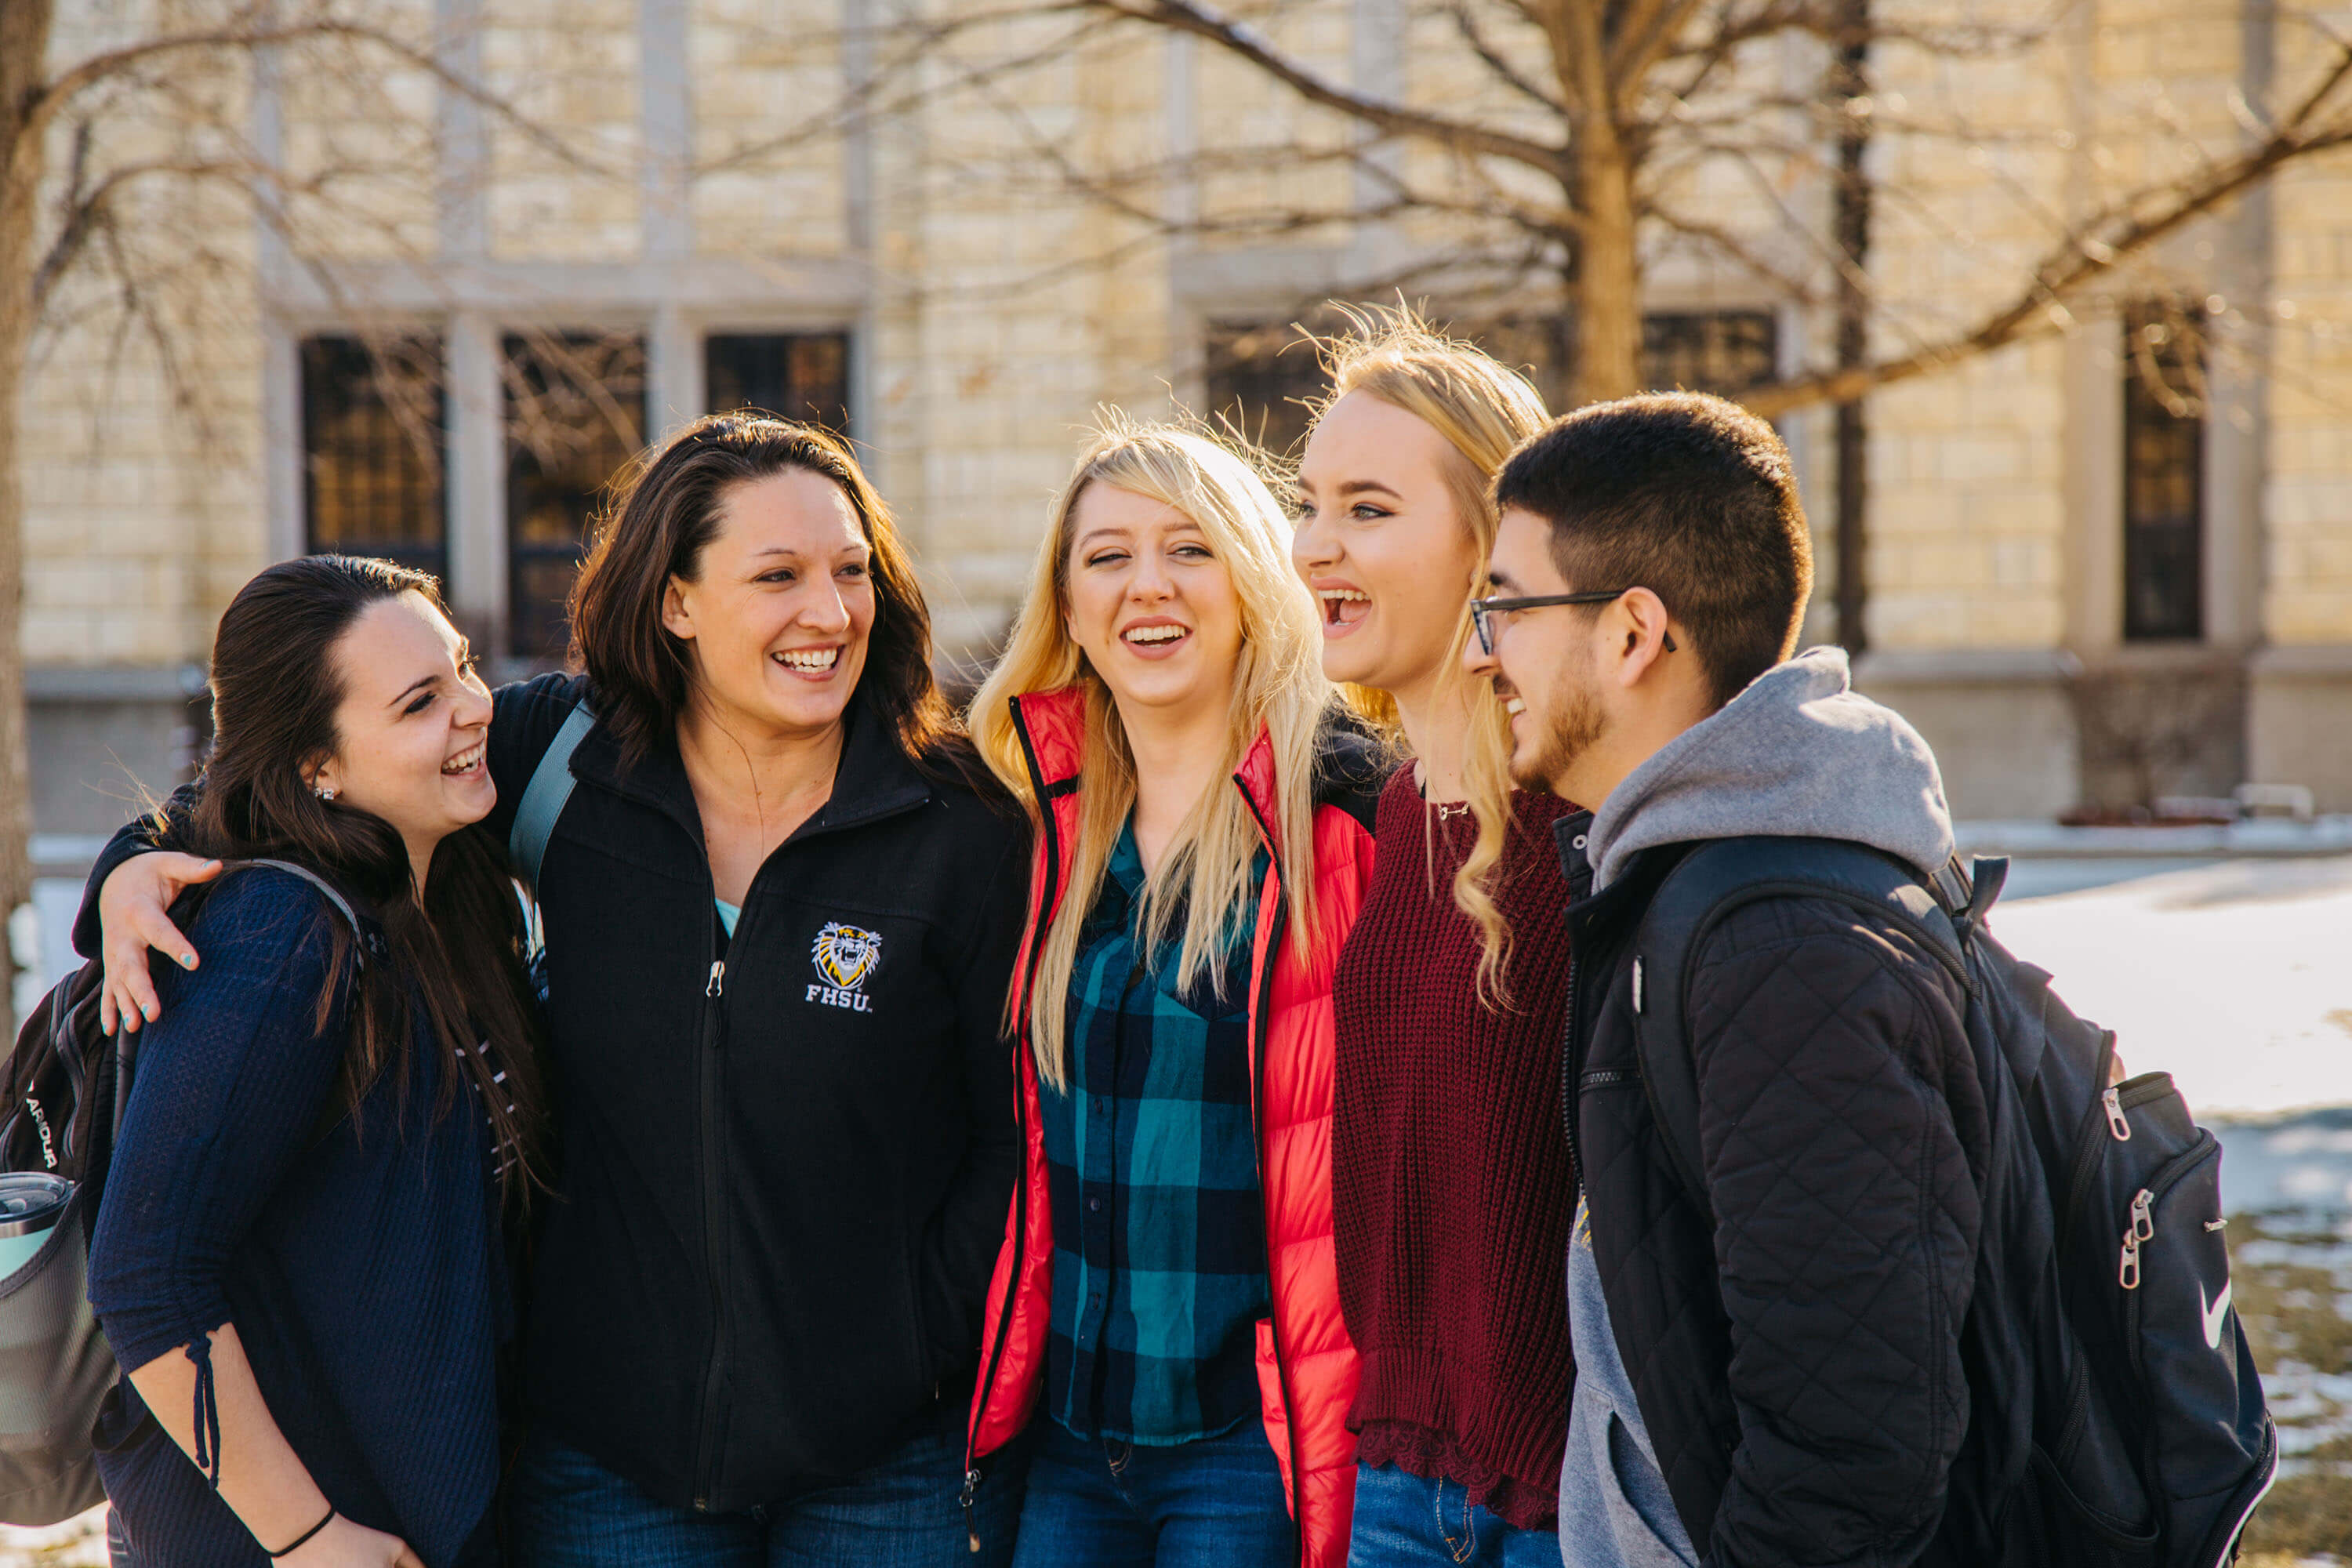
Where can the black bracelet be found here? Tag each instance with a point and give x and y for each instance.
(304, 1539)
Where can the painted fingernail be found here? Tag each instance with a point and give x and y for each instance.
(147, 1013)
(188, 961)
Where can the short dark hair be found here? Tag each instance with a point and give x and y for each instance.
(1689, 496)
(665, 511)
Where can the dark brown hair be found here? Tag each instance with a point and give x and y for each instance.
(1688, 496)
(459, 950)
(665, 511)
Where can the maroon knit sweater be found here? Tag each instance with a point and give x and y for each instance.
(1450, 1176)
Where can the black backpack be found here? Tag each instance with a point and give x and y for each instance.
(67, 1087)
(2116, 1420)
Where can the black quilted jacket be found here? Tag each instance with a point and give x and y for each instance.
(1798, 1366)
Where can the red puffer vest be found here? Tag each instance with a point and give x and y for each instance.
(1306, 1364)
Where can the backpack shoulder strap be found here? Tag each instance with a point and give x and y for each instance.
(1712, 882)
(364, 927)
(544, 796)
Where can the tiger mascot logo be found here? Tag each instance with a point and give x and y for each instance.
(843, 955)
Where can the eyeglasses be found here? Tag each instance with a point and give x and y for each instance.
(1484, 611)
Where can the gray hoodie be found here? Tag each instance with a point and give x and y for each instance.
(1800, 754)
(1797, 754)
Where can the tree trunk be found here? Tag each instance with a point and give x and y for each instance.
(24, 57)
(1850, 80)
(1608, 289)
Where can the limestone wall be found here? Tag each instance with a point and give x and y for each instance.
(994, 306)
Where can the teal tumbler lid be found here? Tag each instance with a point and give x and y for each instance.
(31, 1200)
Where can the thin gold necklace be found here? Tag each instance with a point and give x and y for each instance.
(1447, 810)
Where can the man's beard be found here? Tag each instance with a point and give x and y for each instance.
(1577, 721)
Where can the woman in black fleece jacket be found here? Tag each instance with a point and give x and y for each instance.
(780, 913)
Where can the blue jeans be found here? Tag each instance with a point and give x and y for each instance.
(1216, 1502)
(569, 1512)
(1402, 1517)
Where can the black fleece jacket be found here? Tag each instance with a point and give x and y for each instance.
(787, 1157)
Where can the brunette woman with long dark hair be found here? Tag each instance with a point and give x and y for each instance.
(298, 1259)
(780, 905)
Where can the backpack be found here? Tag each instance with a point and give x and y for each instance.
(2118, 1420)
(68, 1086)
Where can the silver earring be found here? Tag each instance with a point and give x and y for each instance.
(322, 792)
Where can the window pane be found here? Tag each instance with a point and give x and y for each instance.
(575, 410)
(2164, 466)
(371, 450)
(1262, 375)
(803, 376)
(1722, 351)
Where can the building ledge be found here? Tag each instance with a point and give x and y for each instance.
(2258, 840)
(2323, 660)
(1990, 666)
(113, 682)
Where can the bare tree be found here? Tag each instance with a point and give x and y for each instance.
(93, 149)
(1569, 164)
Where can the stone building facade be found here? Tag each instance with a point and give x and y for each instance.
(2112, 563)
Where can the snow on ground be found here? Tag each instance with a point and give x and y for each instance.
(2235, 976)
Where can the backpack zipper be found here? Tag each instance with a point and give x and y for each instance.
(2142, 1227)
(2113, 1104)
(2270, 1479)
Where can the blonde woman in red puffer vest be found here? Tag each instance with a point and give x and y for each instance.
(1203, 798)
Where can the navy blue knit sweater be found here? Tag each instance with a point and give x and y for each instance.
(361, 1266)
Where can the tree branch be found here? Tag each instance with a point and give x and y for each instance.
(2093, 252)
(99, 67)
(1382, 114)
(1505, 71)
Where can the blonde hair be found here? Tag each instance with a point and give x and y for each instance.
(1278, 687)
(1484, 409)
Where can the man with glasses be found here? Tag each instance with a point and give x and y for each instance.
(1767, 1345)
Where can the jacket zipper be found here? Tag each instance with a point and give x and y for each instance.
(1258, 1025)
(1568, 1059)
(1257, 1117)
(714, 1182)
(714, 1188)
(1049, 897)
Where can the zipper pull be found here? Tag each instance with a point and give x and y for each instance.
(717, 984)
(2114, 1101)
(2143, 1215)
(2129, 1275)
(968, 1497)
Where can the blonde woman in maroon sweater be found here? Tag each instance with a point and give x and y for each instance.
(1451, 1187)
